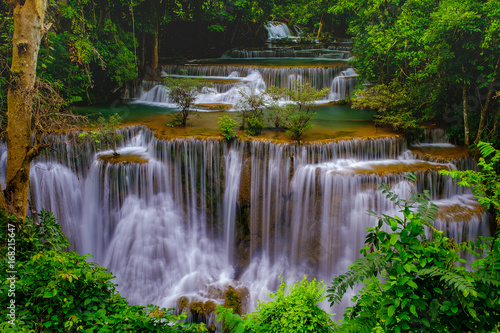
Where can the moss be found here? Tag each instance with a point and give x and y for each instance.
(123, 159)
(234, 298)
(214, 106)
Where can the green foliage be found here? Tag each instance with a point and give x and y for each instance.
(431, 56)
(277, 115)
(295, 311)
(251, 109)
(424, 285)
(227, 125)
(394, 108)
(254, 125)
(106, 134)
(183, 92)
(485, 184)
(57, 291)
(304, 97)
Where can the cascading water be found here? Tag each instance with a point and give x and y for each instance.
(343, 85)
(185, 219)
(279, 30)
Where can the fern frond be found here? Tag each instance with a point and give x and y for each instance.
(428, 210)
(360, 270)
(361, 324)
(454, 280)
(487, 279)
(486, 148)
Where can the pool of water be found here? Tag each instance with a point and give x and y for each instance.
(329, 122)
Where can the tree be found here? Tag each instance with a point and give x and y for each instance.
(106, 134)
(183, 92)
(424, 284)
(29, 16)
(441, 55)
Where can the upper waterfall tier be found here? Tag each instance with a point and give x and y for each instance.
(319, 76)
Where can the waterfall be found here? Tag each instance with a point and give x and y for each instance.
(343, 85)
(181, 220)
(287, 52)
(279, 30)
(238, 78)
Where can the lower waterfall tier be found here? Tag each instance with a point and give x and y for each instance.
(188, 221)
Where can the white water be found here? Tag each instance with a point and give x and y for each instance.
(279, 30)
(168, 228)
(252, 80)
(343, 85)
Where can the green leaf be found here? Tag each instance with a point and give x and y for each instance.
(394, 239)
(390, 311)
(412, 284)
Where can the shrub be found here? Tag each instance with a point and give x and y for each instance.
(58, 291)
(425, 286)
(227, 125)
(254, 126)
(295, 311)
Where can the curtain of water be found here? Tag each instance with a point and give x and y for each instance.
(168, 228)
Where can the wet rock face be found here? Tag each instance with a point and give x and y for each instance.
(123, 159)
(235, 299)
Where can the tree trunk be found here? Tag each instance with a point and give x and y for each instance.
(466, 117)
(28, 29)
(143, 52)
(320, 26)
(482, 122)
(154, 55)
(238, 21)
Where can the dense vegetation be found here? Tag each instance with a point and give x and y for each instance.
(59, 291)
(425, 61)
(435, 61)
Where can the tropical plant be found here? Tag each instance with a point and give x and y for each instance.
(485, 184)
(423, 285)
(57, 291)
(295, 311)
(227, 125)
(251, 111)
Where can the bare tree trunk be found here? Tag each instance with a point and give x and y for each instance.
(154, 59)
(28, 29)
(482, 122)
(320, 26)
(466, 117)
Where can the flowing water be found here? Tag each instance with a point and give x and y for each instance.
(254, 70)
(196, 216)
(184, 219)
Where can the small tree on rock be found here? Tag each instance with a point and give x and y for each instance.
(183, 91)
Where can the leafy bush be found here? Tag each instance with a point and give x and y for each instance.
(304, 99)
(254, 126)
(296, 311)
(395, 108)
(58, 291)
(425, 285)
(251, 105)
(227, 125)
